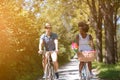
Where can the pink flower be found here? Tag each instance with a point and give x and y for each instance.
(74, 46)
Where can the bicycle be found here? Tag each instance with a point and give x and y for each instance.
(85, 72)
(86, 56)
(49, 68)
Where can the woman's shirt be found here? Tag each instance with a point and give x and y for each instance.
(84, 43)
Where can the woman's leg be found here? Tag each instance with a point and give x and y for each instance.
(90, 66)
(81, 66)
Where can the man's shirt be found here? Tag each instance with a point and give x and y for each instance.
(49, 41)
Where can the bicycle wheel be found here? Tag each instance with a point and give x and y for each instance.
(52, 74)
(84, 72)
(47, 72)
(87, 72)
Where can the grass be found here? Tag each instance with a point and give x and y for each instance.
(108, 71)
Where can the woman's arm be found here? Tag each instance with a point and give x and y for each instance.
(91, 42)
(77, 39)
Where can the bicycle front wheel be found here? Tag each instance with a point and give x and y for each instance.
(52, 73)
(49, 72)
(87, 72)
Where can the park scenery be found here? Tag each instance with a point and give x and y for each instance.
(22, 22)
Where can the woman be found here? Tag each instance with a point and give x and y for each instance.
(85, 42)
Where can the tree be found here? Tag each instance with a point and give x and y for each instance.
(96, 20)
(109, 9)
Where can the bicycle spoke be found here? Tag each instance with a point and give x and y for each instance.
(49, 70)
(85, 72)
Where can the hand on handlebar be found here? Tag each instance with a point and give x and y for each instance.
(40, 51)
(56, 51)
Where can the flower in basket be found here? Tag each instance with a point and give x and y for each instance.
(74, 47)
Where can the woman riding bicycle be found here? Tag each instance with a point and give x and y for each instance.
(85, 43)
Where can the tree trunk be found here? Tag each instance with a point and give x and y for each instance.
(109, 37)
(99, 36)
(115, 28)
(97, 18)
(109, 33)
(99, 41)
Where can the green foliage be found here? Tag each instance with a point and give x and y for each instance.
(20, 31)
(21, 24)
(108, 71)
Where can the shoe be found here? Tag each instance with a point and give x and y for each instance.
(91, 75)
(80, 75)
(44, 76)
(57, 75)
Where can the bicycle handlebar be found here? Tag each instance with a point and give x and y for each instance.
(42, 52)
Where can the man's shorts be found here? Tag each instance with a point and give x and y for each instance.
(53, 56)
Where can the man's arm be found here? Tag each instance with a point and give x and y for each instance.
(40, 45)
(56, 44)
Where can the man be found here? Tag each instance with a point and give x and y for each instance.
(50, 42)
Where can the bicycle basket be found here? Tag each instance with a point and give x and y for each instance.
(87, 56)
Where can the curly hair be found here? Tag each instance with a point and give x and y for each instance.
(84, 26)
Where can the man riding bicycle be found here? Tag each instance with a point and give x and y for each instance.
(50, 42)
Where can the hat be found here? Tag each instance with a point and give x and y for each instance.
(47, 25)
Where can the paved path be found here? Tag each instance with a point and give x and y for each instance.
(70, 71)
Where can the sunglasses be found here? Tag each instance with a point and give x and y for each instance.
(47, 27)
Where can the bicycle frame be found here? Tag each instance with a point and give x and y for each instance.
(86, 56)
(49, 69)
(85, 72)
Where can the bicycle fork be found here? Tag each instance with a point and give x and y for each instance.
(86, 72)
(49, 69)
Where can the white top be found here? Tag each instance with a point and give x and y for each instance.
(84, 43)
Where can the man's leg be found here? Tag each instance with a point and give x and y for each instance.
(44, 62)
(55, 62)
(56, 66)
